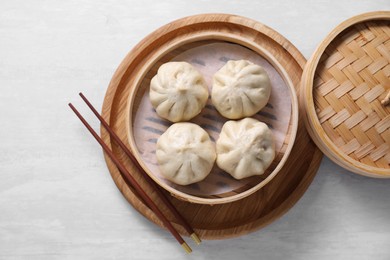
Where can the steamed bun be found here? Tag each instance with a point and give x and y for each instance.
(178, 92)
(245, 148)
(240, 89)
(185, 153)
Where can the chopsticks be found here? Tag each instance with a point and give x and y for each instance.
(155, 187)
(134, 183)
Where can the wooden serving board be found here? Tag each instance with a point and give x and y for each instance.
(229, 219)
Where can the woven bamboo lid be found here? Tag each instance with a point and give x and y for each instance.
(344, 84)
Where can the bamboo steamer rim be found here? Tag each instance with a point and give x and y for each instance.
(178, 41)
(312, 122)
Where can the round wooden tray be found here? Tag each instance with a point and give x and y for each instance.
(250, 213)
(344, 83)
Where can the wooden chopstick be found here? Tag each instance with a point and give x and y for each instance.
(133, 182)
(161, 195)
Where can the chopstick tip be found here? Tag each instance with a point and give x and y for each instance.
(196, 238)
(186, 247)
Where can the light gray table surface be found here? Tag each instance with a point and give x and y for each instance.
(57, 199)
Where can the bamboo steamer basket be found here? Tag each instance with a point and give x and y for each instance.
(180, 39)
(228, 219)
(343, 84)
